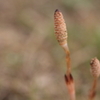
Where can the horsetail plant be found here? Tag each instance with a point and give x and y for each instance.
(61, 35)
(95, 70)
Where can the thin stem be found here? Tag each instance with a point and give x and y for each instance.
(68, 77)
(93, 90)
(68, 60)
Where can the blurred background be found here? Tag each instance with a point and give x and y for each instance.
(32, 64)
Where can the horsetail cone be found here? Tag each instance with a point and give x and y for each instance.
(95, 67)
(60, 28)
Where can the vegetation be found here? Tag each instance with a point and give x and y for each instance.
(31, 61)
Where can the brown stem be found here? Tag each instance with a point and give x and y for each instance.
(68, 77)
(68, 60)
(70, 85)
(93, 90)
